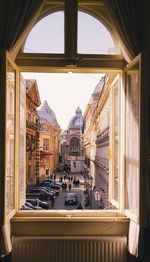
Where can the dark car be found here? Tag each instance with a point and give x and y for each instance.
(51, 181)
(37, 202)
(40, 194)
(49, 189)
(71, 199)
(51, 185)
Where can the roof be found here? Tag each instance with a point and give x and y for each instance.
(46, 114)
(77, 122)
(32, 91)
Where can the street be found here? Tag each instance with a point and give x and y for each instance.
(59, 203)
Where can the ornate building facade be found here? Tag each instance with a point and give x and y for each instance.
(101, 119)
(71, 144)
(32, 133)
(90, 132)
(49, 141)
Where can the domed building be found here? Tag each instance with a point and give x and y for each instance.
(49, 141)
(71, 143)
(76, 122)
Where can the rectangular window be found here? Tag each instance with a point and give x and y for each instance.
(46, 144)
(110, 152)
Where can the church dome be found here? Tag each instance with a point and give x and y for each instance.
(46, 114)
(77, 121)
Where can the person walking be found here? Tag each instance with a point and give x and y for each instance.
(79, 206)
(69, 187)
(52, 201)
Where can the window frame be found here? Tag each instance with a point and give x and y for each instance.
(76, 63)
(6, 58)
(71, 58)
(137, 60)
(73, 214)
(116, 203)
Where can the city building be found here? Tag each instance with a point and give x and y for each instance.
(32, 133)
(49, 141)
(90, 131)
(71, 143)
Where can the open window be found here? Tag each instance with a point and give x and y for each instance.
(133, 156)
(125, 110)
(10, 137)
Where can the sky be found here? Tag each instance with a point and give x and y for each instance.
(65, 92)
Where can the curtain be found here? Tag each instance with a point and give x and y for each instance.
(131, 19)
(15, 17)
(126, 17)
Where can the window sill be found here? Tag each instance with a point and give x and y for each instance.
(61, 215)
(75, 223)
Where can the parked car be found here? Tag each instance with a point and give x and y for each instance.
(34, 207)
(49, 189)
(37, 202)
(40, 194)
(51, 185)
(71, 199)
(24, 207)
(51, 181)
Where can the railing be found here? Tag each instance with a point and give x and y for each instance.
(32, 124)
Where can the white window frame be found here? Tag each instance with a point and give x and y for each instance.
(85, 64)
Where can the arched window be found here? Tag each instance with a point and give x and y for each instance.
(74, 146)
(47, 38)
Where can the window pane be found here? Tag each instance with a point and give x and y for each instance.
(10, 141)
(93, 38)
(45, 144)
(115, 142)
(132, 141)
(22, 140)
(47, 36)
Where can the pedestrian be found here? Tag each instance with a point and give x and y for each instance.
(52, 201)
(69, 187)
(65, 186)
(94, 188)
(79, 206)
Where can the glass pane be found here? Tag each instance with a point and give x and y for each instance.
(47, 36)
(10, 138)
(93, 38)
(132, 139)
(115, 140)
(22, 140)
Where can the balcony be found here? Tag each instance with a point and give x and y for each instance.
(31, 124)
